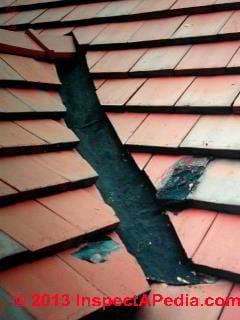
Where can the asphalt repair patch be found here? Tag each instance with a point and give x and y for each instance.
(147, 233)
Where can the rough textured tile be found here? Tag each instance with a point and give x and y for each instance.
(157, 29)
(86, 34)
(8, 246)
(83, 210)
(44, 275)
(126, 123)
(162, 58)
(32, 70)
(11, 104)
(157, 167)
(235, 61)
(118, 8)
(160, 91)
(117, 32)
(25, 17)
(202, 24)
(191, 226)
(202, 291)
(34, 226)
(219, 183)
(118, 60)
(152, 5)
(54, 14)
(48, 130)
(103, 275)
(163, 130)
(232, 312)
(215, 132)
(118, 91)
(93, 57)
(216, 55)
(233, 24)
(191, 3)
(7, 73)
(215, 251)
(217, 91)
(141, 159)
(85, 11)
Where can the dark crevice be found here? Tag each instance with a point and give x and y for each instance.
(146, 232)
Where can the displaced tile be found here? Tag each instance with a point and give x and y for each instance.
(157, 167)
(11, 104)
(191, 226)
(118, 60)
(118, 91)
(216, 55)
(86, 34)
(160, 91)
(152, 5)
(191, 3)
(117, 32)
(172, 311)
(202, 24)
(214, 132)
(83, 210)
(217, 91)
(35, 226)
(53, 14)
(217, 248)
(8, 246)
(163, 58)
(32, 70)
(48, 130)
(118, 8)
(232, 25)
(93, 57)
(126, 123)
(85, 11)
(7, 73)
(141, 159)
(162, 130)
(25, 17)
(231, 311)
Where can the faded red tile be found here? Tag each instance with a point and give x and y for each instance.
(163, 130)
(98, 83)
(25, 17)
(202, 24)
(152, 5)
(157, 29)
(232, 311)
(235, 61)
(6, 16)
(93, 57)
(85, 11)
(162, 58)
(191, 226)
(118, 8)
(233, 24)
(216, 55)
(6, 190)
(10, 103)
(126, 123)
(215, 132)
(160, 91)
(216, 91)
(86, 34)
(217, 248)
(118, 91)
(192, 3)
(7, 73)
(141, 159)
(54, 14)
(57, 31)
(118, 60)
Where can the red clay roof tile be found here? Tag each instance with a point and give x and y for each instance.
(192, 3)
(118, 8)
(235, 61)
(141, 159)
(86, 34)
(85, 11)
(93, 57)
(53, 14)
(25, 17)
(232, 25)
(5, 189)
(11, 104)
(152, 5)
(7, 73)
(232, 311)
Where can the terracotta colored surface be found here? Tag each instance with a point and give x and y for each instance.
(35, 226)
(215, 132)
(191, 226)
(218, 91)
(118, 8)
(13, 135)
(119, 267)
(86, 34)
(201, 291)
(152, 5)
(192, 3)
(32, 70)
(163, 130)
(118, 61)
(118, 91)
(44, 275)
(141, 159)
(83, 210)
(219, 183)
(57, 31)
(25, 17)
(160, 91)
(5, 17)
(98, 83)
(157, 29)
(68, 164)
(85, 11)
(125, 124)
(202, 24)
(216, 55)
(232, 312)
(118, 32)
(235, 61)
(7, 73)
(233, 24)
(215, 251)
(158, 166)
(6, 189)
(10, 103)
(48, 130)
(54, 14)
(39, 100)
(161, 58)
(93, 57)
